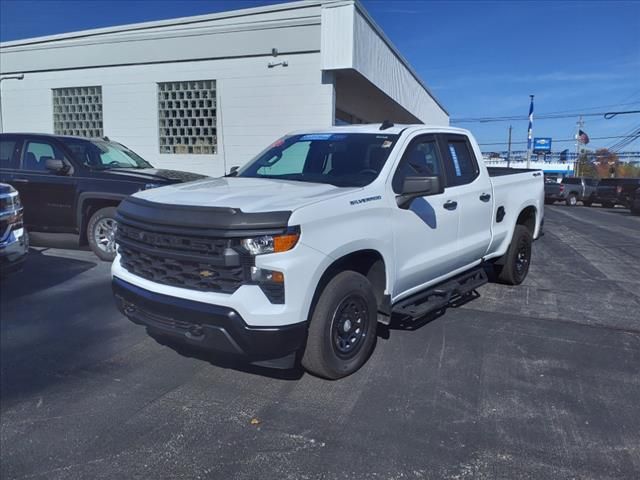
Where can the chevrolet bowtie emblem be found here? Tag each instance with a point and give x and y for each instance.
(205, 273)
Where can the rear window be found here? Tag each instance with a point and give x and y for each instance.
(572, 181)
(7, 147)
(630, 181)
(609, 182)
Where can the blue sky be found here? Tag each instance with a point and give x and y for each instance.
(480, 58)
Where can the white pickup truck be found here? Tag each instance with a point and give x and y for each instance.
(300, 253)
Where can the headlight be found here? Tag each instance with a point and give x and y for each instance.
(271, 243)
(152, 185)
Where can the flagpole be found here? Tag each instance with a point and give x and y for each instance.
(530, 132)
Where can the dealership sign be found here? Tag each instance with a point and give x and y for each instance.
(542, 144)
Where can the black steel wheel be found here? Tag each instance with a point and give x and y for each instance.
(513, 268)
(342, 330)
(349, 326)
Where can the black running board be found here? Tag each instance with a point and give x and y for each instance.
(439, 296)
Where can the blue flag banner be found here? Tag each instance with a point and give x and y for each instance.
(530, 132)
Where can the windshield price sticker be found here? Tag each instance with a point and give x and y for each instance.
(456, 163)
(316, 136)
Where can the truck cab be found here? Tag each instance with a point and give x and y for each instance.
(74, 184)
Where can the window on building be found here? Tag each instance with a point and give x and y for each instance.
(187, 117)
(345, 118)
(77, 111)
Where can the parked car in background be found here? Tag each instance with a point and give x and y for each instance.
(73, 184)
(14, 242)
(616, 191)
(319, 238)
(635, 202)
(571, 191)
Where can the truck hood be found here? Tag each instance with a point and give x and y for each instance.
(247, 194)
(156, 175)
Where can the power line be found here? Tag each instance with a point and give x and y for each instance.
(546, 116)
(563, 140)
(626, 134)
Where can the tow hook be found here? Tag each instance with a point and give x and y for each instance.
(195, 332)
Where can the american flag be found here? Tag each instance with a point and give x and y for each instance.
(530, 132)
(583, 137)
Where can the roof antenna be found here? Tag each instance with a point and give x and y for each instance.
(386, 124)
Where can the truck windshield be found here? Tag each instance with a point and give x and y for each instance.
(341, 159)
(102, 154)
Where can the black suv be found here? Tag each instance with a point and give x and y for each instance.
(616, 191)
(73, 184)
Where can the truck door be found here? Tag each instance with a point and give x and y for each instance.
(425, 234)
(48, 197)
(472, 188)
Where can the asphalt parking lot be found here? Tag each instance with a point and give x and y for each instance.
(537, 381)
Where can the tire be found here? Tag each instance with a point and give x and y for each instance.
(586, 203)
(571, 200)
(332, 351)
(513, 267)
(548, 201)
(101, 233)
(608, 205)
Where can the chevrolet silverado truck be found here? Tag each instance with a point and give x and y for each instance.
(300, 254)
(14, 242)
(74, 184)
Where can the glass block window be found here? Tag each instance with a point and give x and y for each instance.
(187, 117)
(77, 111)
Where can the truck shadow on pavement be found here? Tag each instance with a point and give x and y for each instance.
(187, 351)
(295, 373)
(41, 272)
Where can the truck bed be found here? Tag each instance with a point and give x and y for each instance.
(500, 171)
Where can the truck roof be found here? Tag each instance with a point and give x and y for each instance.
(375, 128)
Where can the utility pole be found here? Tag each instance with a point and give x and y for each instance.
(509, 152)
(576, 168)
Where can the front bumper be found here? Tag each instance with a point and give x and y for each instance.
(210, 327)
(13, 249)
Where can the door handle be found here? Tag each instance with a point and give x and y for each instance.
(20, 180)
(451, 205)
(485, 197)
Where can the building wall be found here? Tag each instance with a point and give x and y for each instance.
(352, 41)
(321, 41)
(256, 104)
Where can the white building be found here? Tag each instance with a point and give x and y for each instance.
(208, 92)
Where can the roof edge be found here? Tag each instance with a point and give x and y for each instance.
(360, 8)
(162, 23)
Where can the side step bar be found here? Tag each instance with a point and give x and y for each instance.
(439, 296)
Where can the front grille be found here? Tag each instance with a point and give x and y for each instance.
(194, 261)
(203, 245)
(180, 273)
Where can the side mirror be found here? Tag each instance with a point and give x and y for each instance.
(233, 171)
(414, 187)
(54, 164)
